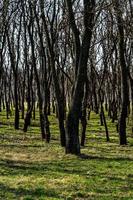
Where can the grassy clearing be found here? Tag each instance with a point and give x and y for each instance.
(33, 170)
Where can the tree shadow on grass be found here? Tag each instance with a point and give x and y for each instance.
(13, 167)
(9, 123)
(104, 158)
(35, 193)
(21, 145)
(56, 170)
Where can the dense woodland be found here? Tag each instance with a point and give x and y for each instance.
(69, 58)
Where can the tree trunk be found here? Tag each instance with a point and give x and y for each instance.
(16, 123)
(72, 122)
(124, 82)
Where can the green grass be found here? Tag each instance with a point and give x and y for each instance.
(33, 170)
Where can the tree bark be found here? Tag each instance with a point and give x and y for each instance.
(124, 82)
(72, 122)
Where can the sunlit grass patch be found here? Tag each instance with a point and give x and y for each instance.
(32, 169)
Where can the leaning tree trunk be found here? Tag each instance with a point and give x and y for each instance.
(30, 102)
(16, 99)
(131, 88)
(124, 82)
(84, 115)
(40, 98)
(58, 93)
(72, 122)
(16, 123)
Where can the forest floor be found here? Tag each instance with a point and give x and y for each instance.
(33, 170)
